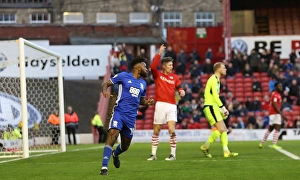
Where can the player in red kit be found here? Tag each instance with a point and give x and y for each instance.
(275, 116)
(166, 84)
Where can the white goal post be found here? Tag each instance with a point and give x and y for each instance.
(19, 53)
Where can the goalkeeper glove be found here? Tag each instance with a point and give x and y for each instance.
(225, 111)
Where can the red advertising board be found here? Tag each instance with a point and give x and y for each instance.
(188, 38)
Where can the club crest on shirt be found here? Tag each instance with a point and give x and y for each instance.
(129, 81)
(171, 77)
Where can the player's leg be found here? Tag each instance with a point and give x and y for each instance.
(211, 117)
(172, 119)
(107, 152)
(275, 136)
(269, 130)
(159, 118)
(173, 140)
(53, 135)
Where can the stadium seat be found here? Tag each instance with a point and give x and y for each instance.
(239, 80)
(256, 74)
(148, 121)
(264, 79)
(203, 120)
(247, 94)
(248, 80)
(240, 99)
(139, 126)
(258, 94)
(139, 121)
(164, 126)
(148, 126)
(238, 75)
(204, 125)
(230, 80)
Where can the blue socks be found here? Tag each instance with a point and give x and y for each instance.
(106, 155)
(118, 150)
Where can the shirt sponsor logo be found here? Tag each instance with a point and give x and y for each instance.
(167, 80)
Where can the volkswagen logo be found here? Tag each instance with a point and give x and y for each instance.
(10, 112)
(239, 45)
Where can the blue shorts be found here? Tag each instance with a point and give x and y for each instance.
(123, 123)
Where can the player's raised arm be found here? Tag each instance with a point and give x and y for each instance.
(156, 60)
(105, 85)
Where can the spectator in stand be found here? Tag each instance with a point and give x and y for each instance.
(115, 69)
(123, 61)
(185, 84)
(293, 56)
(196, 85)
(220, 54)
(186, 108)
(208, 68)
(71, 120)
(196, 115)
(266, 118)
(272, 83)
(98, 125)
(282, 79)
(256, 104)
(180, 68)
(195, 69)
(114, 58)
(230, 71)
(269, 56)
(223, 88)
(208, 54)
(263, 66)
(285, 106)
(194, 105)
(294, 89)
(243, 62)
(256, 86)
(275, 70)
(297, 65)
(247, 72)
(184, 124)
(129, 56)
(251, 120)
(297, 122)
(240, 123)
(290, 76)
(188, 95)
(259, 123)
(182, 58)
(286, 95)
(143, 53)
(276, 58)
(194, 56)
(171, 53)
(265, 103)
(263, 54)
(288, 65)
(235, 63)
(249, 104)
(254, 60)
(281, 65)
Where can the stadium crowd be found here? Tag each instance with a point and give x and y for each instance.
(251, 112)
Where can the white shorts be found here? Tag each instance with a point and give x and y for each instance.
(275, 119)
(164, 112)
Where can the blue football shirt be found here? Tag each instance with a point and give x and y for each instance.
(130, 92)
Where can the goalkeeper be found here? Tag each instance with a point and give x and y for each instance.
(215, 112)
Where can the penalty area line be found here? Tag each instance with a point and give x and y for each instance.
(289, 154)
(38, 155)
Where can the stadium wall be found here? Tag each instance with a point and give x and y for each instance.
(142, 136)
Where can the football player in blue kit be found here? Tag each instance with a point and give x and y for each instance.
(132, 91)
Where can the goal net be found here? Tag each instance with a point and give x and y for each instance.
(30, 91)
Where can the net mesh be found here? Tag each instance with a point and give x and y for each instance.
(42, 99)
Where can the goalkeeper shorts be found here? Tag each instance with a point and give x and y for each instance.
(212, 114)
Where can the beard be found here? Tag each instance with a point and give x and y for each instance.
(144, 74)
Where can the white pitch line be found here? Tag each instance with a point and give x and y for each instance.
(289, 154)
(37, 155)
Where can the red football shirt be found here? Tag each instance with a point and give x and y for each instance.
(165, 85)
(276, 98)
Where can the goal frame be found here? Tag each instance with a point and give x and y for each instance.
(21, 43)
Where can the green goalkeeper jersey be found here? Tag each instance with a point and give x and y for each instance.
(212, 90)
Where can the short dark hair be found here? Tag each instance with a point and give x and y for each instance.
(166, 60)
(137, 60)
(276, 84)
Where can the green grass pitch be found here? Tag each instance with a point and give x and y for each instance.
(84, 162)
